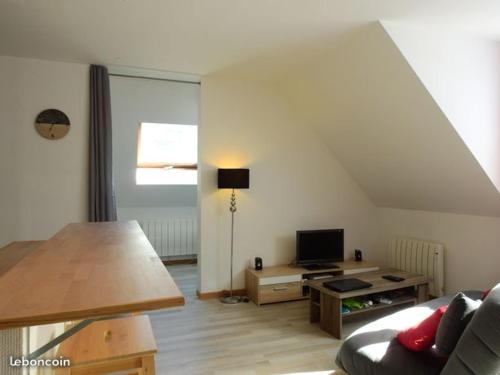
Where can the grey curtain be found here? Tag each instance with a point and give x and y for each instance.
(102, 204)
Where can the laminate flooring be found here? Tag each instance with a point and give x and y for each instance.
(208, 337)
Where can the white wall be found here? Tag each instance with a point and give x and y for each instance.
(472, 251)
(462, 74)
(44, 182)
(295, 182)
(134, 101)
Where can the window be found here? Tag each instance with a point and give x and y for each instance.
(167, 154)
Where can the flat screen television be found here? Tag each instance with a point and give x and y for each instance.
(320, 247)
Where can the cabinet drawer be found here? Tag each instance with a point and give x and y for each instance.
(280, 292)
(279, 279)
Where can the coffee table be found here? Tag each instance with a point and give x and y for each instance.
(326, 304)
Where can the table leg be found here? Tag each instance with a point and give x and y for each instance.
(422, 293)
(148, 365)
(331, 315)
(314, 306)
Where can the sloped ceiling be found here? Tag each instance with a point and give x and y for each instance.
(380, 121)
(462, 73)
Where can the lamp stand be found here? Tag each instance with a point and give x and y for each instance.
(232, 299)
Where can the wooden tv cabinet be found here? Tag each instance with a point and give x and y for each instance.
(286, 282)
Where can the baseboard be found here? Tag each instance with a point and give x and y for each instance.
(220, 293)
(171, 262)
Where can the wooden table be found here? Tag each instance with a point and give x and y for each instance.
(14, 252)
(326, 304)
(87, 270)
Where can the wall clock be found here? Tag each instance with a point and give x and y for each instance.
(52, 124)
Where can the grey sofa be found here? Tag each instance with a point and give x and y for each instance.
(374, 349)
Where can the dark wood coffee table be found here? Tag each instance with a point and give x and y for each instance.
(326, 304)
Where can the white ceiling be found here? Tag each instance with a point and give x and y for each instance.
(199, 36)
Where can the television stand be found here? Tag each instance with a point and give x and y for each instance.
(286, 282)
(315, 267)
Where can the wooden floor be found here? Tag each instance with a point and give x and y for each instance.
(207, 337)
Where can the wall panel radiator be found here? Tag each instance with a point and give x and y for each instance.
(172, 237)
(11, 344)
(418, 256)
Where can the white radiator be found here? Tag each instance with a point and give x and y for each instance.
(11, 344)
(171, 237)
(418, 256)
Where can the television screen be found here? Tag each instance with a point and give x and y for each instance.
(320, 246)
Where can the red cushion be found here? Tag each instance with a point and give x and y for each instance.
(485, 294)
(421, 337)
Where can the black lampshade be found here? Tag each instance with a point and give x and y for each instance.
(235, 178)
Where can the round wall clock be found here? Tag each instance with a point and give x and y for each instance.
(52, 124)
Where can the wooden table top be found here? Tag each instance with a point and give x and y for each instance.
(14, 252)
(375, 278)
(86, 270)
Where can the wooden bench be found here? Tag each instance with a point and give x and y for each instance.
(125, 345)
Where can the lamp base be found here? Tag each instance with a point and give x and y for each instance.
(231, 300)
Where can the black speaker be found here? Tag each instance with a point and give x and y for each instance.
(358, 255)
(258, 264)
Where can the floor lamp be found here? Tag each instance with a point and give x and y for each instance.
(233, 179)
